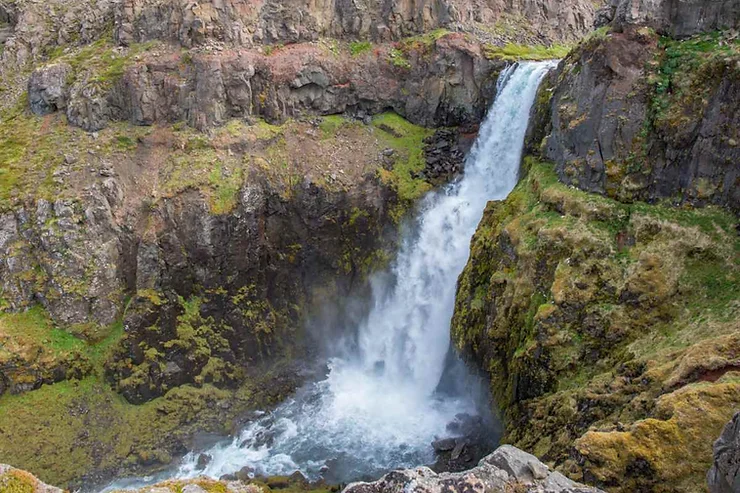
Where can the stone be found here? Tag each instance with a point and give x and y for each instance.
(203, 461)
(444, 445)
(507, 469)
(192, 488)
(724, 475)
(538, 469)
(245, 473)
(48, 89)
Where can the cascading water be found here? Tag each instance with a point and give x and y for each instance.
(379, 407)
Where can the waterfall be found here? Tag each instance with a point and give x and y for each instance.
(379, 407)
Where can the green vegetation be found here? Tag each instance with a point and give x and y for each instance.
(513, 52)
(81, 424)
(619, 314)
(102, 60)
(687, 72)
(397, 58)
(359, 47)
(424, 42)
(408, 140)
(32, 148)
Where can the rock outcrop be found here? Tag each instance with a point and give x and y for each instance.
(724, 476)
(506, 469)
(444, 81)
(241, 23)
(12, 480)
(676, 18)
(636, 117)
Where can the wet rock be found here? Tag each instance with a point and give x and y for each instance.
(444, 445)
(444, 156)
(48, 88)
(244, 474)
(203, 461)
(724, 476)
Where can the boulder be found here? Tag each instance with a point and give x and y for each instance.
(506, 469)
(48, 88)
(724, 476)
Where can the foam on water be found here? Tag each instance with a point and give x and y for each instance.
(378, 407)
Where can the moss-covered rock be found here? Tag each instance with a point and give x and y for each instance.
(608, 329)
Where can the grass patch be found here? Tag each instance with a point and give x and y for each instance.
(103, 60)
(687, 72)
(515, 52)
(397, 58)
(357, 48)
(34, 328)
(408, 140)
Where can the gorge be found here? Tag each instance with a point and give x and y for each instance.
(235, 243)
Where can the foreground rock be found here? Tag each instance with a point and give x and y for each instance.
(15, 480)
(507, 469)
(724, 476)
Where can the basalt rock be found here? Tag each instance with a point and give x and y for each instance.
(447, 82)
(507, 469)
(614, 130)
(724, 476)
(47, 89)
(677, 18)
(238, 23)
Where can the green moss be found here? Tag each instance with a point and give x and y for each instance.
(408, 140)
(397, 58)
(423, 42)
(587, 310)
(359, 47)
(17, 482)
(330, 125)
(103, 60)
(35, 325)
(687, 72)
(514, 52)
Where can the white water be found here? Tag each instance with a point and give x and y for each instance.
(378, 409)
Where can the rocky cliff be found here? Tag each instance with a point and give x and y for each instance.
(638, 116)
(601, 296)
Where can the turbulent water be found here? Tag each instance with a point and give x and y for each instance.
(380, 406)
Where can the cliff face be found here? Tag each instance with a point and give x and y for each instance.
(246, 23)
(601, 296)
(635, 116)
(439, 80)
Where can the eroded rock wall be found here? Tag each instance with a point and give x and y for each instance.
(247, 23)
(445, 82)
(636, 116)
